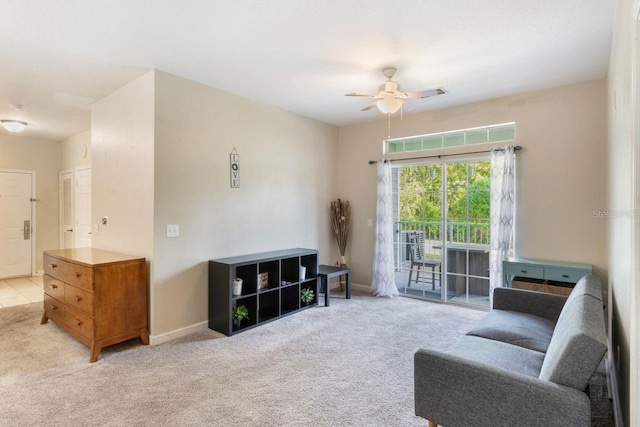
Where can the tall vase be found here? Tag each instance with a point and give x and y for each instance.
(343, 264)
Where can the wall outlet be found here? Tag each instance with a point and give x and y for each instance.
(369, 223)
(173, 230)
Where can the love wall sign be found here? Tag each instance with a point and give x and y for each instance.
(234, 161)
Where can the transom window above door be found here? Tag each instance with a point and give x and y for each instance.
(481, 135)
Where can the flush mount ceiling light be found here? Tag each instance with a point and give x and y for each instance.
(14, 126)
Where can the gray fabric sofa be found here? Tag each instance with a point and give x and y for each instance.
(526, 363)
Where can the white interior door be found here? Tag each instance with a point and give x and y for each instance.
(15, 224)
(67, 211)
(83, 208)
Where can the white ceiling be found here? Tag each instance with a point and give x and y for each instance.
(57, 57)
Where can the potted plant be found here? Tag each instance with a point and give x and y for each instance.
(239, 313)
(307, 296)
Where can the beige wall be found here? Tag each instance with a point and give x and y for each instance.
(71, 154)
(161, 149)
(560, 171)
(122, 168)
(43, 157)
(288, 178)
(623, 191)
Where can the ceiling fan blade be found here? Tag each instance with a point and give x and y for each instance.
(426, 93)
(360, 95)
(369, 107)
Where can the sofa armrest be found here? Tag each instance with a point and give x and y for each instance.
(453, 391)
(540, 304)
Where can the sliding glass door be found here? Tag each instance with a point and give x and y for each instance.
(441, 217)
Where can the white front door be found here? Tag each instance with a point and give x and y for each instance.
(67, 213)
(83, 208)
(15, 224)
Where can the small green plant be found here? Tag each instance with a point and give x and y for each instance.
(307, 295)
(239, 313)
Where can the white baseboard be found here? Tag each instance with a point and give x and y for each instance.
(187, 330)
(612, 384)
(361, 288)
(202, 326)
(354, 286)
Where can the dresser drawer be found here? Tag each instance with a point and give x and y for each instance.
(79, 322)
(68, 272)
(53, 287)
(79, 298)
(563, 275)
(54, 309)
(524, 271)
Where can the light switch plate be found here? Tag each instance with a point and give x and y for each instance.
(173, 230)
(96, 229)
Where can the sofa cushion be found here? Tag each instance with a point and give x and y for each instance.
(539, 304)
(500, 355)
(521, 329)
(578, 343)
(588, 285)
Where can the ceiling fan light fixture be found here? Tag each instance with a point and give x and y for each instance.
(389, 105)
(14, 126)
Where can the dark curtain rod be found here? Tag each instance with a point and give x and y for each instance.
(439, 156)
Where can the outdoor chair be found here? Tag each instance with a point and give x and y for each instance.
(418, 261)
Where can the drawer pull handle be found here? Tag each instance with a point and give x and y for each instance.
(78, 274)
(53, 266)
(565, 275)
(523, 271)
(53, 307)
(78, 299)
(79, 322)
(54, 286)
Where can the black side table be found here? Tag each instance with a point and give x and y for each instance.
(326, 272)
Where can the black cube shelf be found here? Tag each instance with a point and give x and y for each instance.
(279, 296)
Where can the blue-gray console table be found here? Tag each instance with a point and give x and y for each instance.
(547, 270)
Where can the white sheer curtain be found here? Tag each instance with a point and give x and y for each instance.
(384, 283)
(502, 210)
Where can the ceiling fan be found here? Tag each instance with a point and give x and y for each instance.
(389, 98)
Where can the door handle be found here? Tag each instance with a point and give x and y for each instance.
(27, 229)
(70, 230)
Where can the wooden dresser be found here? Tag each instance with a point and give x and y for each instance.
(97, 296)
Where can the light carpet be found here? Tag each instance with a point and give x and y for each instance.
(350, 364)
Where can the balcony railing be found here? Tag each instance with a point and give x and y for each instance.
(466, 273)
(473, 233)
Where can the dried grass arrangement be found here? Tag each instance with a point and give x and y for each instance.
(340, 215)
